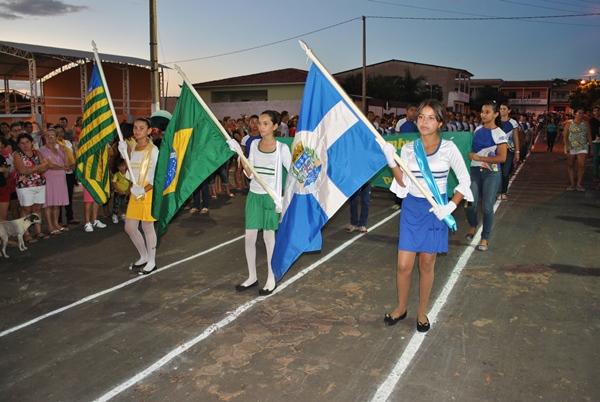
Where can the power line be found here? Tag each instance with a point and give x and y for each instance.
(265, 44)
(476, 18)
(513, 18)
(535, 6)
(404, 5)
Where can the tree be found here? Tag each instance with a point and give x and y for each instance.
(406, 89)
(486, 94)
(586, 96)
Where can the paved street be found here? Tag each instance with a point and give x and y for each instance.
(520, 323)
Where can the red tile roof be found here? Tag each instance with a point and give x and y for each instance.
(283, 76)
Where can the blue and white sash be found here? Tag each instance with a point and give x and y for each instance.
(421, 158)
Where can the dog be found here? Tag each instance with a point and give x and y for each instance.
(16, 227)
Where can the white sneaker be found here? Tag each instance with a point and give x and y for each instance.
(88, 227)
(122, 217)
(115, 218)
(99, 225)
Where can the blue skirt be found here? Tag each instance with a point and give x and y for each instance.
(420, 230)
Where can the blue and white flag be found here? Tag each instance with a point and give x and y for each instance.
(333, 154)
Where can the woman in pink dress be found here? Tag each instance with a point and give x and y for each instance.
(56, 181)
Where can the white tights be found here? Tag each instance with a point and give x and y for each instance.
(250, 245)
(146, 249)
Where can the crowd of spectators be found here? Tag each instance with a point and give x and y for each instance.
(37, 166)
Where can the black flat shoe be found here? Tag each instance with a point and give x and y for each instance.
(423, 327)
(143, 272)
(241, 288)
(266, 292)
(389, 320)
(134, 267)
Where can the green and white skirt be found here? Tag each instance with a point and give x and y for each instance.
(260, 212)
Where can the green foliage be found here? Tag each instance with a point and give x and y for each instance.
(586, 96)
(406, 89)
(486, 94)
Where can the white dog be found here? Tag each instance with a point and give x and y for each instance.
(16, 227)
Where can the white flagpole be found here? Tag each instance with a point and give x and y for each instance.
(276, 197)
(361, 116)
(112, 108)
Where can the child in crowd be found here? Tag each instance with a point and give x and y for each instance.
(268, 157)
(120, 186)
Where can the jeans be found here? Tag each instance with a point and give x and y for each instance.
(595, 158)
(550, 139)
(363, 195)
(506, 168)
(484, 185)
(201, 190)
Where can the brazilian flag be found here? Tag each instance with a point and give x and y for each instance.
(192, 148)
(98, 131)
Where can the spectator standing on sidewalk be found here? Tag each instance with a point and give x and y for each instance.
(56, 181)
(578, 138)
(595, 133)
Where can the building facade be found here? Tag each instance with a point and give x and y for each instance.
(454, 82)
(251, 94)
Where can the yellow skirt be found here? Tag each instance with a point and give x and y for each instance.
(140, 210)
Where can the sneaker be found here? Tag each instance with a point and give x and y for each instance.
(98, 224)
(580, 188)
(570, 188)
(362, 229)
(122, 217)
(115, 218)
(88, 227)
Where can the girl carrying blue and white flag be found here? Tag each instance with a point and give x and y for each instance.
(423, 229)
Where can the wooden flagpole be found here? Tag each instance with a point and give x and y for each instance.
(276, 197)
(362, 117)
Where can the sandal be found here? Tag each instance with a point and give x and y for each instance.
(482, 247)
(64, 229)
(469, 236)
(41, 236)
(55, 232)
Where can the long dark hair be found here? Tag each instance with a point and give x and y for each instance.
(496, 109)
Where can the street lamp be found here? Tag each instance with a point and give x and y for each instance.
(582, 82)
(592, 73)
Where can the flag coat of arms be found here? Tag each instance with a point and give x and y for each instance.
(333, 154)
(98, 131)
(191, 150)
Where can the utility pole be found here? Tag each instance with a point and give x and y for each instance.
(154, 76)
(364, 65)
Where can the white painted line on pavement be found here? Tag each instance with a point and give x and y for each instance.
(387, 386)
(230, 318)
(117, 287)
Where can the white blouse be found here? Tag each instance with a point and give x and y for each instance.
(440, 162)
(268, 166)
(136, 159)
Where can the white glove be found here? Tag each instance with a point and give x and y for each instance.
(138, 191)
(389, 151)
(278, 205)
(442, 211)
(234, 146)
(123, 149)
